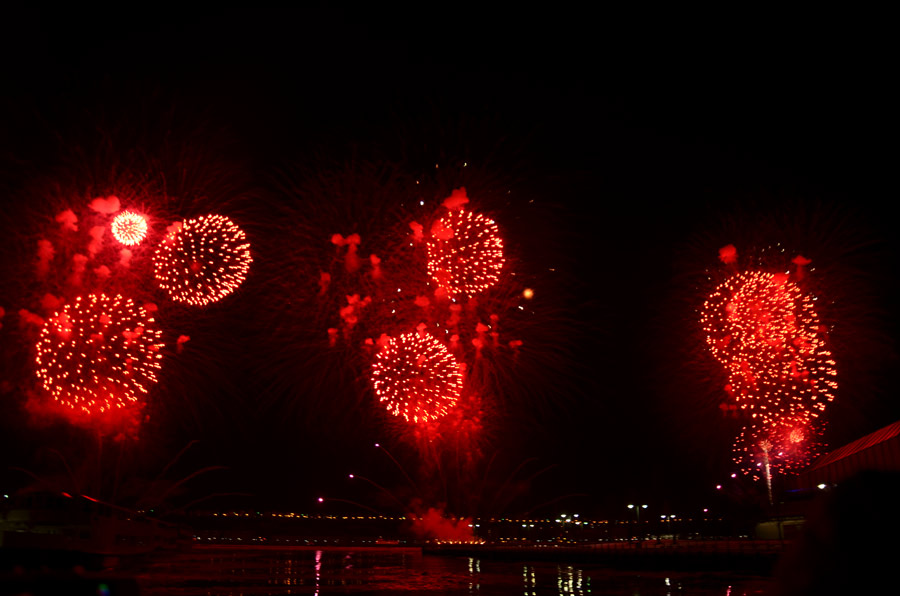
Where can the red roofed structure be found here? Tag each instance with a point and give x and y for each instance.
(879, 450)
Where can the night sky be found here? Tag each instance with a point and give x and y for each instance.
(631, 152)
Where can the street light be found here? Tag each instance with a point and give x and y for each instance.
(637, 511)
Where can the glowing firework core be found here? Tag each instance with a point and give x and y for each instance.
(129, 228)
(465, 253)
(203, 261)
(98, 353)
(417, 377)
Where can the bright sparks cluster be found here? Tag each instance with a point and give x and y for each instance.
(203, 260)
(416, 377)
(129, 228)
(465, 253)
(785, 445)
(766, 333)
(98, 353)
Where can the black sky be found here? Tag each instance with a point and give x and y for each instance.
(644, 135)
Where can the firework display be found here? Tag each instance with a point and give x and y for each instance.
(416, 377)
(448, 279)
(129, 228)
(98, 353)
(766, 333)
(84, 283)
(782, 446)
(202, 260)
(465, 253)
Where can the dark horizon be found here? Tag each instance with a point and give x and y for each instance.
(629, 162)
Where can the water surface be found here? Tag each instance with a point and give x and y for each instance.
(211, 571)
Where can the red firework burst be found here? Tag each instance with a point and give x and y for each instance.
(766, 333)
(98, 353)
(203, 260)
(416, 377)
(785, 445)
(465, 253)
(129, 228)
